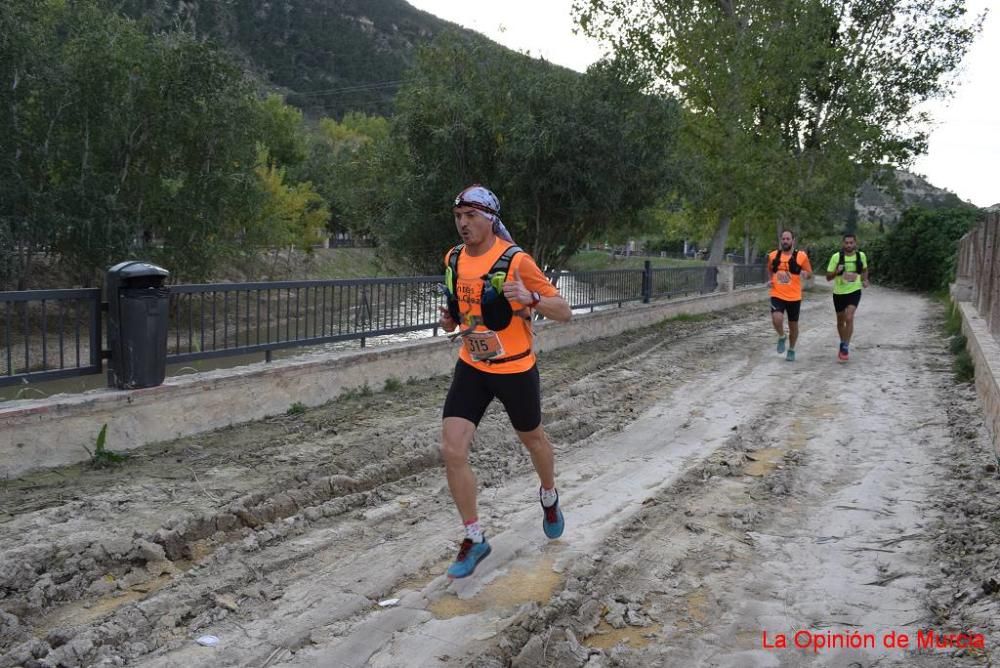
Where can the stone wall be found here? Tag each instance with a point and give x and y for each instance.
(985, 353)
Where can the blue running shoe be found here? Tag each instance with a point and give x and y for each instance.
(552, 520)
(790, 355)
(781, 345)
(469, 556)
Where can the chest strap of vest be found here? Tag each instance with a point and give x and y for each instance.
(793, 262)
(496, 311)
(859, 263)
(451, 284)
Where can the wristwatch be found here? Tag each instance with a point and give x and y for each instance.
(535, 298)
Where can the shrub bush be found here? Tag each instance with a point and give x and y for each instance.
(919, 253)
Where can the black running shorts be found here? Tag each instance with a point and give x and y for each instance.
(791, 308)
(472, 391)
(841, 302)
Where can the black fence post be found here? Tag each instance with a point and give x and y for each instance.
(647, 281)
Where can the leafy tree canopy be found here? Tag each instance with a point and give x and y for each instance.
(791, 104)
(570, 156)
(115, 142)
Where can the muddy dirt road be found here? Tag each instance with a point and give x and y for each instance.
(714, 493)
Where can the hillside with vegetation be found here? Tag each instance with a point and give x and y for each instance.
(327, 57)
(206, 135)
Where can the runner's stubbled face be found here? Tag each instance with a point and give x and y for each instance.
(474, 227)
(850, 245)
(786, 241)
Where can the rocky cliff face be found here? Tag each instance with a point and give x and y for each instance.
(885, 204)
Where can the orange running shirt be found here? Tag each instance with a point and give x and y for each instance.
(785, 285)
(516, 337)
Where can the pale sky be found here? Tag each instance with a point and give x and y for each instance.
(964, 151)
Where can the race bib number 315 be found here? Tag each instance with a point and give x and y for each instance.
(483, 345)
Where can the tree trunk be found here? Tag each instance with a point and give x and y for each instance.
(719, 239)
(746, 242)
(715, 256)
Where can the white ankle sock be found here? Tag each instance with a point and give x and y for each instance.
(473, 531)
(548, 496)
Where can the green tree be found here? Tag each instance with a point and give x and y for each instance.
(289, 215)
(283, 132)
(34, 99)
(342, 164)
(118, 143)
(792, 103)
(570, 156)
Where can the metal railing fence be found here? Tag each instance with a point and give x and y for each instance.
(590, 289)
(677, 281)
(48, 334)
(223, 319)
(748, 274)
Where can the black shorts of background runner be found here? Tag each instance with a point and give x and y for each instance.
(841, 302)
(791, 308)
(472, 391)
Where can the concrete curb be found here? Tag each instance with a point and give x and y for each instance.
(55, 431)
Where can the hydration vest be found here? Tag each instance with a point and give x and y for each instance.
(859, 262)
(496, 310)
(793, 262)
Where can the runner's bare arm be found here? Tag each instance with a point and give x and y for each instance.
(553, 306)
(837, 269)
(807, 270)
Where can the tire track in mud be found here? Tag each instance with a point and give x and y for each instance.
(107, 552)
(660, 446)
(694, 578)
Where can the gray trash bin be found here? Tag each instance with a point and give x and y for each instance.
(138, 317)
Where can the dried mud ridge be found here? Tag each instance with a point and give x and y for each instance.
(612, 608)
(105, 567)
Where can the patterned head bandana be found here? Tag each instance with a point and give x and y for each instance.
(482, 199)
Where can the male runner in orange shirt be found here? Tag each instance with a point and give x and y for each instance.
(496, 359)
(786, 269)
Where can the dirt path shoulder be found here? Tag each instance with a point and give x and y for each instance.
(713, 493)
